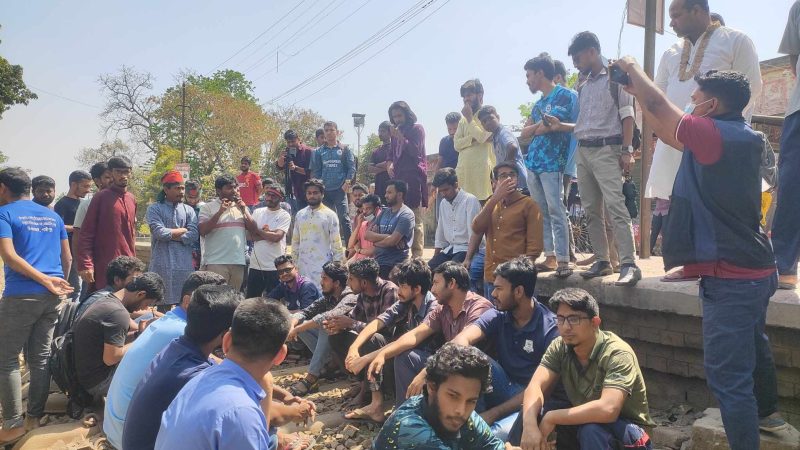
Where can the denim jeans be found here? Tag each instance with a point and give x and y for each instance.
(25, 322)
(602, 436)
(738, 360)
(337, 201)
(317, 341)
(786, 225)
(476, 272)
(547, 189)
(503, 389)
(443, 257)
(75, 281)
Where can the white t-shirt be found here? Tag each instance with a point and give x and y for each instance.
(265, 252)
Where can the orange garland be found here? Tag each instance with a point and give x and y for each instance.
(698, 57)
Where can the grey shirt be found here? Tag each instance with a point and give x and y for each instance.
(790, 45)
(599, 116)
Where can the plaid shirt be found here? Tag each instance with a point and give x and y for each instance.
(368, 308)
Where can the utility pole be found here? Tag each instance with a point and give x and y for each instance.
(651, 15)
(183, 121)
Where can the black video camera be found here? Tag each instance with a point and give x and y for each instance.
(617, 75)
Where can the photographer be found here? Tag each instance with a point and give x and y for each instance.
(294, 163)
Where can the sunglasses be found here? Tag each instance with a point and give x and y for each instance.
(285, 270)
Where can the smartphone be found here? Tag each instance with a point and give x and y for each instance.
(543, 116)
(617, 75)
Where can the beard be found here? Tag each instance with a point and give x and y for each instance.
(313, 203)
(435, 417)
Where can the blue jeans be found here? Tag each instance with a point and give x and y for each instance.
(593, 436)
(337, 201)
(25, 321)
(317, 341)
(547, 189)
(738, 360)
(503, 390)
(786, 226)
(476, 272)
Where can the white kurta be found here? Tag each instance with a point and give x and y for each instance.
(728, 49)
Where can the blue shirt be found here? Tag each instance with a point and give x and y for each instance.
(36, 233)
(333, 165)
(408, 428)
(502, 140)
(298, 297)
(548, 152)
(519, 350)
(388, 222)
(181, 361)
(132, 368)
(217, 410)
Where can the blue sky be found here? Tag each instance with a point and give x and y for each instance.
(64, 46)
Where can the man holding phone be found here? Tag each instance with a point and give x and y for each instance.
(223, 224)
(604, 130)
(294, 161)
(547, 159)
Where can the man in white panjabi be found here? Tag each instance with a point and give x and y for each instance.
(704, 45)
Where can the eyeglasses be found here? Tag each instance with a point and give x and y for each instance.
(503, 176)
(572, 320)
(285, 270)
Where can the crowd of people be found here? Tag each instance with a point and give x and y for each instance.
(178, 353)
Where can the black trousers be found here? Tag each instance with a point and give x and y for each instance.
(443, 257)
(340, 345)
(261, 282)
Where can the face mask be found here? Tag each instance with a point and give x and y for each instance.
(691, 106)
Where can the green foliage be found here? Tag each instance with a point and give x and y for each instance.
(165, 161)
(525, 111)
(3, 157)
(363, 175)
(12, 88)
(228, 82)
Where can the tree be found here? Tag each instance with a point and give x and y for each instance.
(13, 90)
(3, 157)
(130, 106)
(228, 82)
(363, 175)
(88, 156)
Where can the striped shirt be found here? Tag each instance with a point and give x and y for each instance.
(226, 243)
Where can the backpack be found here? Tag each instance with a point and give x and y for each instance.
(61, 364)
(637, 133)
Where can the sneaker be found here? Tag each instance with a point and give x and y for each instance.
(629, 276)
(772, 423)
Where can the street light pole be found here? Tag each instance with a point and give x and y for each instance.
(358, 123)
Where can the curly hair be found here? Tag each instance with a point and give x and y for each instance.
(453, 359)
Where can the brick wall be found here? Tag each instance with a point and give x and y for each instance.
(669, 348)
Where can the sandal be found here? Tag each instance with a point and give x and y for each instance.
(787, 282)
(360, 415)
(563, 270)
(303, 387)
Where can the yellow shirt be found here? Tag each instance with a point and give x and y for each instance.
(475, 158)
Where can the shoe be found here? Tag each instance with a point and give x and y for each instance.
(32, 423)
(598, 269)
(548, 265)
(629, 276)
(772, 423)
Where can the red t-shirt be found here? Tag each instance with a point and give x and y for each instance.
(249, 183)
(701, 136)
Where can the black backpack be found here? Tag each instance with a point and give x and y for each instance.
(62, 368)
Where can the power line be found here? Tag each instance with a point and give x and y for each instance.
(314, 20)
(372, 40)
(373, 55)
(288, 24)
(322, 35)
(63, 97)
(257, 37)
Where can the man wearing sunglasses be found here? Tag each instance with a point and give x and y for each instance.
(296, 290)
(602, 378)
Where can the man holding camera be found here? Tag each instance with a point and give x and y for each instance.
(294, 162)
(604, 130)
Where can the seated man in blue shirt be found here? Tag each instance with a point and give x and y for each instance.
(294, 289)
(521, 329)
(444, 416)
(415, 303)
(206, 319)
(142, 352)
(221, 409)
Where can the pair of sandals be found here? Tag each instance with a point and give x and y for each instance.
(562, 270)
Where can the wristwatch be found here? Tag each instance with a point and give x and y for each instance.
(629, 149)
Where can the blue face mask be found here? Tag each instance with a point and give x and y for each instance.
(691, 106)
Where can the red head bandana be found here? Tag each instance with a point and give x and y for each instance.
(173, 176)
(275, 192)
